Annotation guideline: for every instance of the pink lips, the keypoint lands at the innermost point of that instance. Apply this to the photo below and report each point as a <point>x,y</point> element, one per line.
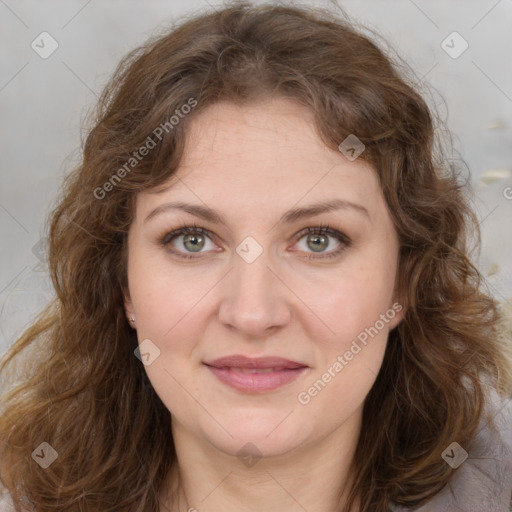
<point>255,375</point>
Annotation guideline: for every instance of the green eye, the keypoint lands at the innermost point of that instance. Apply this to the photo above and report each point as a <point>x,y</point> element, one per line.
<point>318,239</point>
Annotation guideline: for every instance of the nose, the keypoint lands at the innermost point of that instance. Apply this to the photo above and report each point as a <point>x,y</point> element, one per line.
<point>255,301</point>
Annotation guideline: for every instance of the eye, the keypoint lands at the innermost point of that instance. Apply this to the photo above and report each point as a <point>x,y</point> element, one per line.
<point>190,240</point>
<point>318,240</point>
<point>193,239</point>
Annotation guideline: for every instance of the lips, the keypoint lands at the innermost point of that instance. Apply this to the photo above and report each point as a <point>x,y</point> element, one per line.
<point>255,363</point>
<point>255,375</point>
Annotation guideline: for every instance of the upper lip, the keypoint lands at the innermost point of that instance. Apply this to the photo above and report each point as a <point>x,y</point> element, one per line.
<point>240,361</point>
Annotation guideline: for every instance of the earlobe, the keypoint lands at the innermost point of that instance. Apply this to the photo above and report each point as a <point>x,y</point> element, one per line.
<point>397,311</point>
<point>128,308</point>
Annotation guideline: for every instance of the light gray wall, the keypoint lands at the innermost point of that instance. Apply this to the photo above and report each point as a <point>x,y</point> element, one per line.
<point>42,101</point>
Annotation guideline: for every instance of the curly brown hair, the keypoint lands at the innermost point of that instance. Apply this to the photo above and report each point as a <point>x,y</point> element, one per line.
<point>85,393</point>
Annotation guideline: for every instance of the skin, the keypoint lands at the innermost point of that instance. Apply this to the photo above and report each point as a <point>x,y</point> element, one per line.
<point>253,163</point>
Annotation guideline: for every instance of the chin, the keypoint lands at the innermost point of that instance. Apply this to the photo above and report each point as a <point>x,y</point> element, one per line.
<point>269,436</point>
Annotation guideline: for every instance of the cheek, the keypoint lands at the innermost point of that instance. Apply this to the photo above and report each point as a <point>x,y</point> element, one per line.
<point>349,360</point>
<point>353,298</point>
<point>162,292</point>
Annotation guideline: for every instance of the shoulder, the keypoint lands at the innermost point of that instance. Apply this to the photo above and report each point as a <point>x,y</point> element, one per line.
<point>483,482</point>
<point>6,504</point>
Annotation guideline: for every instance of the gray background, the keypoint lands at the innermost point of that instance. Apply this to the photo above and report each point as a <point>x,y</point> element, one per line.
<point>43,101</point>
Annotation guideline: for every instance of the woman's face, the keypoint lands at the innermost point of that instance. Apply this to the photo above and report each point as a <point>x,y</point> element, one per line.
<point>253,283</point>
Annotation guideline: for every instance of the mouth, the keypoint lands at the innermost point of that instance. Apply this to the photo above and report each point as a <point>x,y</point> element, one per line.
<point>255,375</point>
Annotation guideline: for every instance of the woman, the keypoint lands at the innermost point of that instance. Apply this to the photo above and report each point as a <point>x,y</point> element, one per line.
<point>264,297</point>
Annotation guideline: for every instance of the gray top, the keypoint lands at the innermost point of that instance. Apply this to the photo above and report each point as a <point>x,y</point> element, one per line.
<point>481,483</point>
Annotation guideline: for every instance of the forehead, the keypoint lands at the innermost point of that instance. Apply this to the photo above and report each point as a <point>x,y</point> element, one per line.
<point>275,132</point>
<point>267,150</point>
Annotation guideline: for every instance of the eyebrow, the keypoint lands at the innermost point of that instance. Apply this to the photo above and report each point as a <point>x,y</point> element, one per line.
<point>290,216</point>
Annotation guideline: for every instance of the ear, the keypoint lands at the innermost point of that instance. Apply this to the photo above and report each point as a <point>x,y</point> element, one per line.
<point>398,306</point>
<point>401,299</point>
<point>399,310</point>
<point>128,305</point>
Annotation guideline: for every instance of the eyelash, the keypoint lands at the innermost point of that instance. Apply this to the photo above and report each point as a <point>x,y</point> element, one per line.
<point>323,229</point>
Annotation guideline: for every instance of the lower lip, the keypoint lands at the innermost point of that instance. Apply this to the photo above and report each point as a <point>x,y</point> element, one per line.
<point>256,382</point>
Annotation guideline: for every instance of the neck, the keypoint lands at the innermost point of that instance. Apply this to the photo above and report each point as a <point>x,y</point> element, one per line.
<point>314,477</point>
